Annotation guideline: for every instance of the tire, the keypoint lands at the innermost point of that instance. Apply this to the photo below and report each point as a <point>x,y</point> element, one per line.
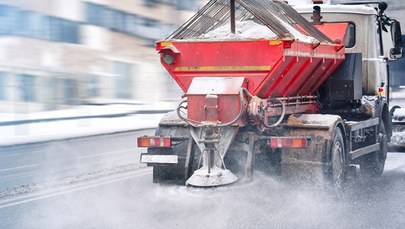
<point>174,174</point>
<point>372,165</point>
<point>336,174</point>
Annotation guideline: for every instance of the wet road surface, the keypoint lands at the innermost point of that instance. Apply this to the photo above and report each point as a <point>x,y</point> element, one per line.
<point>126,198</point>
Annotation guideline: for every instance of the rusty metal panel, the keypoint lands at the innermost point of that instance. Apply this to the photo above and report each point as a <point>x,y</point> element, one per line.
<point>317,150</point>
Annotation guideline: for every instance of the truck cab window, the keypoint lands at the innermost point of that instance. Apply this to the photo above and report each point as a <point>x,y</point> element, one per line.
<point>350,37</point>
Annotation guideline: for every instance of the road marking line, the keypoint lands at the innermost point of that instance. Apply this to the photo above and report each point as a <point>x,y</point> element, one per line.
<point>103,154</point>
<point>19,167</point>
<point>79,187</point>
<point>11,155</point>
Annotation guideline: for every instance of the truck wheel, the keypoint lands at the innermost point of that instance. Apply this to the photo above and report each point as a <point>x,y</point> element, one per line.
<point>337,168</point>
<point>372,165</point>
<point>174,174</point>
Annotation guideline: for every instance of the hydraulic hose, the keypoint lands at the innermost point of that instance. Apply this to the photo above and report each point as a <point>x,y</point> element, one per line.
<point>241,111</point>
<point>281,116</point>
<point>186,120</point>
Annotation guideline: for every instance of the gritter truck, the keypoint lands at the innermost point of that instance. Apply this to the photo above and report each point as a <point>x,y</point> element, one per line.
<point>278,88</point>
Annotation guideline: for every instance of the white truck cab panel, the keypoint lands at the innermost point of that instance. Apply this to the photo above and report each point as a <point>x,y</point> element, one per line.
<point>367,43</point>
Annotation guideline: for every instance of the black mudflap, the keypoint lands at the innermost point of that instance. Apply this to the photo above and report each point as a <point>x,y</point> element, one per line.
<point>179,173</point>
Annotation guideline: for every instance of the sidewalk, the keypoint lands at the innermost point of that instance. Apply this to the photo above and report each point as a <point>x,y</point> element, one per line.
<point>82,121</point>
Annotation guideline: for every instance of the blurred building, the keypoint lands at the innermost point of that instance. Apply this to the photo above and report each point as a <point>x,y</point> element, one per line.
<point>58,53</point>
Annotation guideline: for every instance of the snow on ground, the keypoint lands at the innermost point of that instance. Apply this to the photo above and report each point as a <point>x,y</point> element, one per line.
<point>45,131</point>
<point>398,135</point>
<point>399,115</point>
<point>63,129</point>
<point>88,111</point>
<point>398,138</point>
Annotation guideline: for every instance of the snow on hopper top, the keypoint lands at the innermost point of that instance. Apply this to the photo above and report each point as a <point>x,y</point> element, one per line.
<point>244,30</point>
<point>255,19</point>
<point>251,30</point>
<point>305,2</point>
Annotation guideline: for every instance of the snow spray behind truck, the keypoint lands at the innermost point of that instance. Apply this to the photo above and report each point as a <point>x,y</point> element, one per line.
<point>272,86</point>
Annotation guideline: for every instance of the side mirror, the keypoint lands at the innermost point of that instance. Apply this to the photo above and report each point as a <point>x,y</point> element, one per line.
<point>395,53</point>
<point>396,36</point>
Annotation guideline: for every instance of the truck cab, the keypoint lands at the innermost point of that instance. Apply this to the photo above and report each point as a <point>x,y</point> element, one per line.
<point>362,37</point>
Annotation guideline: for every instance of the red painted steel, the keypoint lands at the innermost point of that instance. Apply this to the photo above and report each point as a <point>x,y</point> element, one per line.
<point>227,101</point>
<point>228,108</point>
<point>335,31</point>
<point>211,108</point>
<point>250,59</point>
<point>271,68</point>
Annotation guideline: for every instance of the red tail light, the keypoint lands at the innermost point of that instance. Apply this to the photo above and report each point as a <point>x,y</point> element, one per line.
<point>288,142</point>
<point>154,141</point>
